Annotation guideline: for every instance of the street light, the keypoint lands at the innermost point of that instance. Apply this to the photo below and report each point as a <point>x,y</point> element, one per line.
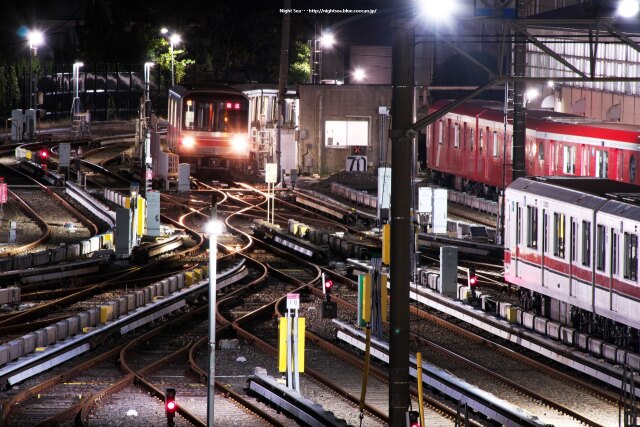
<point>628,8</point>
<point>147,79</point>
<point>357,75</point>
<point>174,39</point>
<point>75,106</point>
<point>35,39</point>
<point>214,228</point>
<point>326,40</point>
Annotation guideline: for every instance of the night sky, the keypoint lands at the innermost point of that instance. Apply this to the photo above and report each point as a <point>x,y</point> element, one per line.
<point>119,30</point>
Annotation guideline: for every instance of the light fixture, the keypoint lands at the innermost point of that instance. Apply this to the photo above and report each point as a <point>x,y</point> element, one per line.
<point>628,8</point>
<point>327,40</point>
<point>437,10</point>
<point>359,74</point>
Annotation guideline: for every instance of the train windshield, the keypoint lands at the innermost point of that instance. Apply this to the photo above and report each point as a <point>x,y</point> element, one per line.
<point>216,113</point>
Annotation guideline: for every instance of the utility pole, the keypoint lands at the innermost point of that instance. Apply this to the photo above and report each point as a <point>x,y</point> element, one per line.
<point>403,116</point>
<point>282,83</point>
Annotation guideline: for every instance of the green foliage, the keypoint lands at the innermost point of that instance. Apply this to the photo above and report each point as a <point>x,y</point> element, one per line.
<point>299,63</point>
<point>9,90</point>
<point>160,53</point>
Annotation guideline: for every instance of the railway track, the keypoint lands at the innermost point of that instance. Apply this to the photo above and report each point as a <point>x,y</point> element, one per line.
<point>247,316</point>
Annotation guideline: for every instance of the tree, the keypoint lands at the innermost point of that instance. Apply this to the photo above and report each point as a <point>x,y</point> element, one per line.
<point>160,53</point>
<point>299,68</point>
<point>9,90</point>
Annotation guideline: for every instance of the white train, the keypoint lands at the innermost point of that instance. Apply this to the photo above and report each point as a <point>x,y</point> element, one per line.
<point>572,243</point>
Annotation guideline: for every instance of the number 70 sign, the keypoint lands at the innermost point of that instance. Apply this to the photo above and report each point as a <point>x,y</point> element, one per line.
<point>356,164</point>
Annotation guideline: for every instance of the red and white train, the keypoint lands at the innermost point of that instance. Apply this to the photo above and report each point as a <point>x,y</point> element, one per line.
<point>208,127</point>
<point>465,148</point>
<point>573,244</point>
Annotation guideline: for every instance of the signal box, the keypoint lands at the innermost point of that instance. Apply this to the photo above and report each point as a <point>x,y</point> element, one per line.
<point>329,310</point>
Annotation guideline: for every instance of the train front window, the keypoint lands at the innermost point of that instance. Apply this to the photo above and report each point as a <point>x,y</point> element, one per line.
<point>188,114</point>
<point>207,114</point>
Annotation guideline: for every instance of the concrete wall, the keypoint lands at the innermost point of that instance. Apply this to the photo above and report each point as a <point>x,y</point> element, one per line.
<point>595,104</point>
<point>319,103</point>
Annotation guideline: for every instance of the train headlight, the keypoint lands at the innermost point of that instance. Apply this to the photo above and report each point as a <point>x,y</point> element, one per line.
<point>239,142</point>
<point>188,142</point>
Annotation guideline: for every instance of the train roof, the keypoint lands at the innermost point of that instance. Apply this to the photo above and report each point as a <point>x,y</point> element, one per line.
<point>614,197</point>
<point>548,121</point>
<point>201,86</point>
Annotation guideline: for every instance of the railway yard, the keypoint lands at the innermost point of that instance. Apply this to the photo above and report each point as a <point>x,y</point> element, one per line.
<point>92,339</point>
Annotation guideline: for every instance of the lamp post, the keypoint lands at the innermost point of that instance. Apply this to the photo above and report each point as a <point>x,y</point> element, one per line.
<point>76,87</point>
<point>147,80</point>
<point>356,76</point>
<point>214,228</point>
<point>325,40</point>
<point>173,40</point>
<point>35,39</point>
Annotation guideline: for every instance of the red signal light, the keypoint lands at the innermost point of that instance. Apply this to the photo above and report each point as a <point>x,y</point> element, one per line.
<point>473,279</point>
<point>328,284</point>
<point>44,154</point>
<point>413,418</point>
<point>149,174</point>
<point>170,404</point>
<point>236,106</point>
<point>229,105</point>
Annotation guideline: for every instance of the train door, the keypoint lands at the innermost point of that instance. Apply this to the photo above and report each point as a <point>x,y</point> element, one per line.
<point>518,238</point>
<point>613,263</point>
<point>618,158</point>
<point>551,162</point>
<point>545,245</point>
<point>573,255</point>
<point>480,155</point>
<point>439,141</point>
<point>471,159</point>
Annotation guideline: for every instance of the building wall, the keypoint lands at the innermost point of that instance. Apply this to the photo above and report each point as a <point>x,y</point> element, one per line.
<point>319,103</point>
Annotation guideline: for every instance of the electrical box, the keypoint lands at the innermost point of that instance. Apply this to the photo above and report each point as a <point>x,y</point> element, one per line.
<point>447,285</point>
<point>17,125</point>
<point>329,310</point>
<point>123,233</point>
<point>153,213</point>
<point>184,171</point>
<point>30,120</point>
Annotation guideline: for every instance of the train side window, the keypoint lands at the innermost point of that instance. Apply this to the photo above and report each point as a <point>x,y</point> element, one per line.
<point>569,160</point>
<point>456,135</point>
<point>632,169</point>
<point>518,224</point>
<point>601,242</point>
<point>558,235</point>
<point>541,151</point>
<point>573,237</point>
<point>586,243</point>
<point>480,140</point>
<point>631,256</point>
<point>614,251</point>
<point>472,135</point>
<point>602,164</point>
<point>545,232</point>
<point>441,132</point>
<point>620,164</point>
<point>532,227</point>
<point>495,144</point>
